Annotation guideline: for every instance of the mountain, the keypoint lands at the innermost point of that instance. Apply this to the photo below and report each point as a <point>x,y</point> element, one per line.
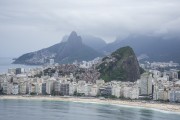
<point>94,42</point>
<point>64,52</point>
<point>153,48</point>
<point>121,65</point>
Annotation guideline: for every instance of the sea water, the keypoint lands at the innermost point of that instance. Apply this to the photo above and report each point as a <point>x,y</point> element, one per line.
<point>6,63</point>
<point>58,110</point>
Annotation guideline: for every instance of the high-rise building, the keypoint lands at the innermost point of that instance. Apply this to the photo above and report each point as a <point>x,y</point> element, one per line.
<point>64,89</point>
<point>43,88</point>
<point>146,84</point>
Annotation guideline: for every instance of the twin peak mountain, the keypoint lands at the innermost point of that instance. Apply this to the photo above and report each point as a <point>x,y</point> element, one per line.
<point>64,52</point>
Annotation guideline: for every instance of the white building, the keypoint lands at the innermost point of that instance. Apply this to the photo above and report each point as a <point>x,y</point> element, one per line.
<point>57,85</point>
<point>100,83</point>
<point>7,88</point>
<point>116,90</point>
<point>94,90</point>
<point>12,71</point>
<point>81,87</point>
<point>72,88</point>
<point>87,87</point>
<point>23,88</point>
<point>146,84</point>
<point>174,95</point>
<point>49,86</point>
<point>15,89</point>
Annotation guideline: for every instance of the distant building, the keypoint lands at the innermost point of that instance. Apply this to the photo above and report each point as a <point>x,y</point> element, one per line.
<point>87,89</point>
<point>15,89</point>
<point>18,71</point>
<point>81,87</point>
<point>49,86</point>
<point>174,96</point>
<point>116,90</point>
<point>105,91</point>
<point>94,90</point>
<point>12,71</point>
<point>7,88</point>
<point>32,88</point>
<point>146,84</point>
<point>44,89</point>
<point>72,88</point>
<point>23,88</point>
<point>64,89</point>
<point>57,86</point>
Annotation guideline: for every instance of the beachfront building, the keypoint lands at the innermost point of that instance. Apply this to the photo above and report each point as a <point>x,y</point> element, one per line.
<point>57,85</point>
<point>134,92</point>
<point>174,95</point>
<point>126,92</point>
<point>43,88</point>
<point>116,90</point>
<point>32,88</point>
<point>81,87</point>
<point>145,84</point>
<point>105,90</point>
<point>88,87</point>
<point>38,87</point>
<point>161,93</point>
<point>64,89</point>
<point>161,89</point>
<point>7,88</point>
<point>94,90</point>
<point>49,86</point>
<point>23,88</point>
<point>15,89</point>
<point>72,88</point>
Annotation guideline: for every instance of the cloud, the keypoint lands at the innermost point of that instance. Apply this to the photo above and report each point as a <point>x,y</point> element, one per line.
<point>41,23</point>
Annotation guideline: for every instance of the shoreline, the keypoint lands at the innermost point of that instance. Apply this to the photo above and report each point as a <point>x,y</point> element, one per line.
<point>164,107</point>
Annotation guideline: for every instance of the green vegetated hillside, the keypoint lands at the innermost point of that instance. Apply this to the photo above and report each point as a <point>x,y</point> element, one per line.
<point>121,65</point>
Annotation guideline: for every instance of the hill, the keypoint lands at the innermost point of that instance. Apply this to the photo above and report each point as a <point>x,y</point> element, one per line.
<point>121,65</point>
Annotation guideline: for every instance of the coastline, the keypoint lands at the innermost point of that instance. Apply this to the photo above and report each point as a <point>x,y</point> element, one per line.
<point>166,107</point>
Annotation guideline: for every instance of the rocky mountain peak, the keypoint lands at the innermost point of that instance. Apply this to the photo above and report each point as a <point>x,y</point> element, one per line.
<point>74,38</point>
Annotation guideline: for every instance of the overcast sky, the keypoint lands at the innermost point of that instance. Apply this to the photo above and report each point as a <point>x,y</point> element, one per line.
<point>29,25</point>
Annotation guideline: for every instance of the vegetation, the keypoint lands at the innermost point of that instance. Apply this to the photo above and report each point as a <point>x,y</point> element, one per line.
<point>33,93</point>
<point>141,70</point>
<point>78,94</point>
<point>1,91</point>
<point>118,66</point>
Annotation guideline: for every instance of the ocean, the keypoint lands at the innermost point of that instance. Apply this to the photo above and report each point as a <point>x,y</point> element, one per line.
<point>6,63</point>
<point>57,110</point>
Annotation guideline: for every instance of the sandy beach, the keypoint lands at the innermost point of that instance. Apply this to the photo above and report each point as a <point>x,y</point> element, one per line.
<point>172,107</point>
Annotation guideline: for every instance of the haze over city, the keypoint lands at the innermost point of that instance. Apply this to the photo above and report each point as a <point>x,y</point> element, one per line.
<point>31,25</point>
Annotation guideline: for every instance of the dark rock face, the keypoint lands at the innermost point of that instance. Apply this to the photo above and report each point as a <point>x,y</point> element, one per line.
<point>64,52</point>
<point>94,42</point>
<point>121,65</point>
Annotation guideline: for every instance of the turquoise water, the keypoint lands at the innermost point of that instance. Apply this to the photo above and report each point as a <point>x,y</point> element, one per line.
<point>57,110</point>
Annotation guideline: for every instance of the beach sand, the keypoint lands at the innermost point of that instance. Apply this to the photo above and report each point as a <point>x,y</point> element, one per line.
<point>173,107</point>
